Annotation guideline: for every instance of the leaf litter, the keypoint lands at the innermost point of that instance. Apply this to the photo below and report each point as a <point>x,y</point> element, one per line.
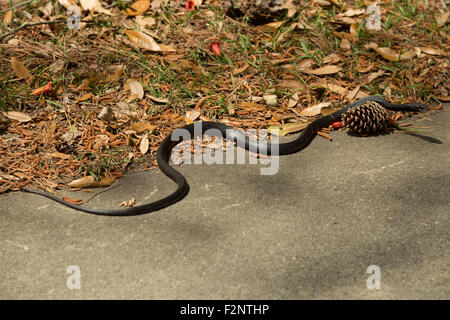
<point>82,107</point>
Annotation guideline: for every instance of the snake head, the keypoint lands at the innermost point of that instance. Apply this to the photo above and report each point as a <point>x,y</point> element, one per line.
<point>419,107</point>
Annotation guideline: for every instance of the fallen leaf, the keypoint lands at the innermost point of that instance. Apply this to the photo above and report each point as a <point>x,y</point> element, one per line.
<point>192,115</point>
<point>442,19</point>
<point>107,114</point>
<point>93,5</point>
<point>104,182</point>
<point>353,12</point>
<point>372,76</point>
<point>144,41</point>
<point>287,128</point>
<point>250,106</point>
<point>84,97</point>
<point>241,69</point>
<point>17,115</point>
<point>67,3</point>
<point>135,87</point>
<point>56,66</point>
<point>143,145</point>
<point>324,70</point>
<point>8,17</point>
<point>140,127</point>
<point>137,8</point>
<point>145,22</point>
<point>330,86</point>
<point>433,51</point>
<point>19,69</point>
<point>83,182</point>
<point>314,110</point>
<point>345,44</point>
<point>292,84</point>
<point>158,100</point>
<point>332,58</point>
<point>61,155</point>
<point>393,55</point>
<point>293,101</point>
<point>352,94</point>
<point>291,7</point>
<point>116,75</point>
<point>354,30</point>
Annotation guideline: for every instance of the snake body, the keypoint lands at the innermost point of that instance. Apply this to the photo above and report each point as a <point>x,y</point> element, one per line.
<point>227,132</point>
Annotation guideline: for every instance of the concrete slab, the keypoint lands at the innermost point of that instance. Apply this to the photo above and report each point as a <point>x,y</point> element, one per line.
<point>308,232</point>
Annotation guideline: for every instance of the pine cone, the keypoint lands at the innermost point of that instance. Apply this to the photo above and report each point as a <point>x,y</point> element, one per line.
<point>369,117</point>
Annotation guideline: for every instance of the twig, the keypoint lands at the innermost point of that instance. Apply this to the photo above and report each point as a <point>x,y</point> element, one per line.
<point>29,24</point>
<point>320,133</point>
<point>15,6</point>
<point>101,191</point>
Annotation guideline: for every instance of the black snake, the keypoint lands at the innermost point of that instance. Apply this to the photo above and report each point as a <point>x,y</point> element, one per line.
<point>164,152</point>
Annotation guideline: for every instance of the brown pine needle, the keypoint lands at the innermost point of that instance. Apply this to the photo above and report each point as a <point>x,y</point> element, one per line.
<point>320,133</point>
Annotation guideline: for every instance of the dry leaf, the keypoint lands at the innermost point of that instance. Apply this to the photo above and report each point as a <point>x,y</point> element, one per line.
<point>332,58</point>
<point>433,51</point>
<point>107,114</point>
<point>192,115</point>
<point>250,106</point>
<point>330,86</point>
<point>274,25</point>
<point>293,101</point>
<point>345,44</point>
<point>61,155</point>
<point>84,97</point>
<point>287,128</point>
<point>19,69</point>
<point>352,94</point>
<point>323,70</point>
<point>142,40</point>
<point>241,69</point>
<point>140,127</point>
<point>93,5</point>
<point>353,12</point>
<point>17,115</point>
<point>8,17</point>
<point>116,76</point>
<point>137,8</point>
<point>354,31</point>
<point>442,19</point>
<point>158,100</point>
<point>291,7</point>
<point>145,22</point>
<point>314,110</point>
<point>104,182</point>
<point>135,87</point>
<point>67,3</point>
<point>84,182</point>
<point>143,146</point>
<point>374,75</point>
<point>393,55</point>
<point>292,84</point>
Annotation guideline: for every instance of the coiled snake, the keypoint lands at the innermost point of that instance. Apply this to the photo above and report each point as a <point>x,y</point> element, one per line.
<point>164,152</point>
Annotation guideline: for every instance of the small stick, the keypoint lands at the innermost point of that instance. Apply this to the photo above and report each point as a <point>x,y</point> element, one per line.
<point>320,133</point>
<point>15,6</point>
<point>29,24</point>
<point>96,194</point>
